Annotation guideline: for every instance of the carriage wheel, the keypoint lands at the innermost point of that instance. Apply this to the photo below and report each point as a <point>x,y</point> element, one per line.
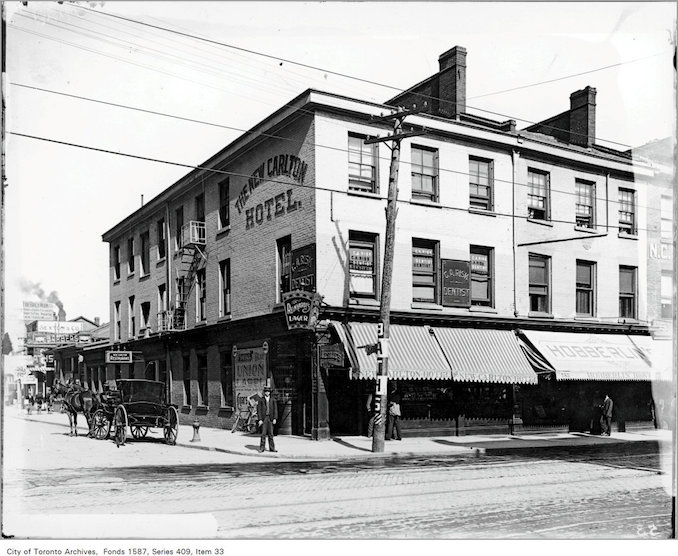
<point>171,427</point>
<point>101,426</point>
<point>120,425</point>
<point>139,431</point>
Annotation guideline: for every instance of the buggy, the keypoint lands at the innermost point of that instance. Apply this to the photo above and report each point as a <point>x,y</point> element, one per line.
<point>140,405</point>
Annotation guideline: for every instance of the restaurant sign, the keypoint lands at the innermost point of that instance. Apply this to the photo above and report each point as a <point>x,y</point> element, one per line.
<point>456,283</point>
<point>301,309</point>
<point>303,268</point>
<point>119,357</point>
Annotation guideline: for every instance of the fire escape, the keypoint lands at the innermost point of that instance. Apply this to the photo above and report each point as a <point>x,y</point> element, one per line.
<point>191,256</point>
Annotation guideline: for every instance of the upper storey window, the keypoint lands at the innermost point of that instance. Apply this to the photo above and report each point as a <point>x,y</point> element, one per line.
<point>627,211</point>
<point>481,178</point>
<point>585,204</point>
<point>538,184</point>
<point>424,173</point>
<point>362,168</point>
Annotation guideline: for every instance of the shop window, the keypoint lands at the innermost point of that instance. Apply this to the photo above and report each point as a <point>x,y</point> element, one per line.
<point>116,262</point>
<point>178,225</point>
<point>225,288</point>
<point>481,178</point>
<point>585,294</point>
<point>200,295</point>
<point>538,193</point>
<point>627,211</point>
<point>539,275</point>
<point>284,264</point>
<point>425,271</point>
<point>362,169</point>
<point>203,399</point>
<point>482,287</point>
<point>224,204</point>
<point>362,263</point>
<point>187,380</point>
<point>130,255</point>
<point>585,208</point>
<point>118,372</point>
<point>226,379</point>
<point>424,173</point>
<point>627,292</point>
<point>150,370</point>
<point>160,228</point>
<point>131,324</point>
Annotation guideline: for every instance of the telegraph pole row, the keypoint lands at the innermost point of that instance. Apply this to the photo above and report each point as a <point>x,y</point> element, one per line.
<point>381,395</point>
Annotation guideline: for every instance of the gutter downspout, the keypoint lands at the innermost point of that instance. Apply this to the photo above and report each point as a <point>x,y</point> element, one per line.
<point>514,157</point>
<point>168,294</point>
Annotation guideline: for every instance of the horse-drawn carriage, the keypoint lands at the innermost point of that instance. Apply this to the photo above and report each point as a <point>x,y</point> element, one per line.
<point>138,404</point>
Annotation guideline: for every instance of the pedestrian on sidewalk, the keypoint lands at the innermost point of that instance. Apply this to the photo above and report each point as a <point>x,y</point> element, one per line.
<point>267,411</point>
<point>394,417</point>
<point>606,419</point>
<point>371,416</point>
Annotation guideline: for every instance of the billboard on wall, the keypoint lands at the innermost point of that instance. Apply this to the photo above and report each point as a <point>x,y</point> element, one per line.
<point>39,310</point>
<point>250,369</point>
<point>456,283</point>
<point>59,327</point>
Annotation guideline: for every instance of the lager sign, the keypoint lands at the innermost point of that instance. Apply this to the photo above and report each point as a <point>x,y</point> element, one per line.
<point>118,357</point>
<point>301,309</point>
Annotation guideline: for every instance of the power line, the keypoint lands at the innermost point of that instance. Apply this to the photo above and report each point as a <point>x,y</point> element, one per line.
<point>237,174</point>
<point>281,137</point>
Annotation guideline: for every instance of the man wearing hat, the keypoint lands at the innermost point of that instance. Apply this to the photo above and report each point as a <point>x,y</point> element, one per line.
<point>267,412</point>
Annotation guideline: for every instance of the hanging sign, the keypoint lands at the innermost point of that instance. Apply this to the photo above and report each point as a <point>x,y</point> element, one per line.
<point>301,309</point>
<point>331,355</point>
<point>456,282</point>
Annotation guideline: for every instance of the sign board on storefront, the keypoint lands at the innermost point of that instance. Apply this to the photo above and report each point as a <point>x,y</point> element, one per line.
<point>303,268</point>
<point>301,309</point>
<point>119,357</point>
<point>250,369</point>
<point>58,327</point>
<point>456,283</point>
<point>332,355</point>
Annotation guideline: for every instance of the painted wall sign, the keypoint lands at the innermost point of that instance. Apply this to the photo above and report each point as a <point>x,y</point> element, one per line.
<point>303,268</point>
<point>250,369</point>
<point>301,309</point>
<point>456,283</point>
<point>662,251</point>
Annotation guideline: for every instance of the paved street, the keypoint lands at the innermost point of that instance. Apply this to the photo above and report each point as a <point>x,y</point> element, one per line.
<point>592,494</point>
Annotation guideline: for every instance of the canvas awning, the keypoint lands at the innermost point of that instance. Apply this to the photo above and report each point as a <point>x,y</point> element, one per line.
<point>576,356</point>
<point>659,353</point>
<point>485,355</point>
<point>413,353</point>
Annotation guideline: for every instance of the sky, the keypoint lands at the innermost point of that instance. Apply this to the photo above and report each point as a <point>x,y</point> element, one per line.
<point>524,60</point>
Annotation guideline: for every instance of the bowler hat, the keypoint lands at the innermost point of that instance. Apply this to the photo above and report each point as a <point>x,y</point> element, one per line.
<point>267,388</point>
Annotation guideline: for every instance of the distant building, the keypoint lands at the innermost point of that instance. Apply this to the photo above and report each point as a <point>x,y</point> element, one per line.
<point>520,281</point>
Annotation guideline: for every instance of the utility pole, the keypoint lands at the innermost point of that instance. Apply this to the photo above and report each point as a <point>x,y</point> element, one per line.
<point>381,394</point>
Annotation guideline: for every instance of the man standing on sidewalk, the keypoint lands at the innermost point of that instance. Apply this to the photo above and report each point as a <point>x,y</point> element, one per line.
<point>267,412</point>
<point>606,419</point>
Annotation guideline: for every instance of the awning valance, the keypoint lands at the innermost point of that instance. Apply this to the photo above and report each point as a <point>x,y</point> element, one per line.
<point>485,355</point>
<point>576,356</point>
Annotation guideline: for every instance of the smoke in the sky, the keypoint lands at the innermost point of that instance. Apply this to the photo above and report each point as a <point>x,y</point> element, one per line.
<point>34,288</point>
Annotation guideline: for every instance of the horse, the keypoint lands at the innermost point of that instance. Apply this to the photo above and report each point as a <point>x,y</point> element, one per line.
<point>77,400</point>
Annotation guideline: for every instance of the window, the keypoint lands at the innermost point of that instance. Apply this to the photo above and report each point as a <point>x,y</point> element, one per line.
<point>362,170</point>
<point>224,204</point>
<point>131,325</point>
<point>163,323</point>
<point>130,255</point>
<point>145,323</point>
<point>424,271</point>
<point>424,173</point>
<point>481,179</point>
<point>161,239</point>
<point>666,218</point>
<point>200,208</point>
<point>145,253</point>
<point>667,295</point>
<point>627,292</point>
<point>116,262</point>
<point>187,380</point>
<point>284,246</point>
<point>362,264</point>
<point>627,211</point>
<point>226,379</point>
<point>200,295</point>
<point>539,284</point>
<point>179,224</point>
<point>116,312</point>
<point>225,288</point>
<point>538,192</point>
<point>202,380</point>
<point>585,204</point>
<point>481,276</point>
<point>585,295</point>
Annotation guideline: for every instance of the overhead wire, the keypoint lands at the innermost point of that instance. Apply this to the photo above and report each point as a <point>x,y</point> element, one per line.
<point>209,169</point>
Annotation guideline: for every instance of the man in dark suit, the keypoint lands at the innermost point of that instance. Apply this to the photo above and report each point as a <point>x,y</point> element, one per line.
<point>606,419</point>
<point>267,413</point>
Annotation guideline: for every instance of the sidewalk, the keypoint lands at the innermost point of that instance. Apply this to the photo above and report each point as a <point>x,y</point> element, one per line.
<point>351,447</point>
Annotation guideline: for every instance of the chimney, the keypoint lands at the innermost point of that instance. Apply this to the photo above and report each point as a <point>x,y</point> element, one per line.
<point>583,117</point>
<point>96,321</point>
<point>452,82</point>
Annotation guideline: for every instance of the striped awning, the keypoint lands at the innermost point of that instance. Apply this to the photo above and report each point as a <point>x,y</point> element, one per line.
<point>413,352</point>
<point>485,355</point>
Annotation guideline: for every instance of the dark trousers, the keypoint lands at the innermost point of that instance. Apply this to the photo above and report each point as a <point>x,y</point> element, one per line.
<point>267,432</point>
<point>393,423</point>
<point>606,424</point>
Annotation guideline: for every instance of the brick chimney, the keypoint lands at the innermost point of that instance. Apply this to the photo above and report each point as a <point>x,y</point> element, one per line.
<point>96,321</point>
<point>583,117</point>
<point>452,82</point>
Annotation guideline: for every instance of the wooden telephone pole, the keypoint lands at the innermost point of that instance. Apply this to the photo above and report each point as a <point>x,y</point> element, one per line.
<point>381,394</point>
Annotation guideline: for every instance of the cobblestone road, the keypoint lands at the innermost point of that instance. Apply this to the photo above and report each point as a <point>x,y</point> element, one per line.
<point>504,497</point>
